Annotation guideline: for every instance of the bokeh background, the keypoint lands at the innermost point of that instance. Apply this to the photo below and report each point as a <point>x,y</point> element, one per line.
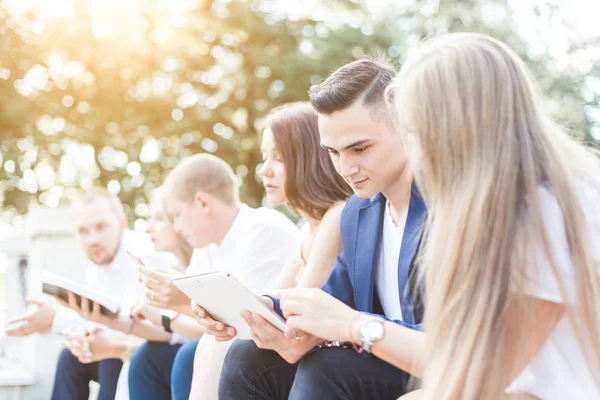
<point>116,93</point>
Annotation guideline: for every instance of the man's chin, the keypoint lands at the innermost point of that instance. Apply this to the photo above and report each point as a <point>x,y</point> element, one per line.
<point>364,192</point>
<point>101,260</point>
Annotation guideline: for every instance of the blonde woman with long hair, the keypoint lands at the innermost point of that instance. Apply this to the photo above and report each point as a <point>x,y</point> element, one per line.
<point>508,258</point>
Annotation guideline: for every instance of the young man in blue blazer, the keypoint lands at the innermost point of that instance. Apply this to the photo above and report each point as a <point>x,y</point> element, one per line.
<point>381,228</point>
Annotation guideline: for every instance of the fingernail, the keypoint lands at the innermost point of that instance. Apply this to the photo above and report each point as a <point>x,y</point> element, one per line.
<point>220,327</point>
<point>255,317</point>
<point>230,331</point>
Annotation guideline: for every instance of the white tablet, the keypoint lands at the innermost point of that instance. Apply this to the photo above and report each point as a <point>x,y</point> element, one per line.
<point>224,297</point>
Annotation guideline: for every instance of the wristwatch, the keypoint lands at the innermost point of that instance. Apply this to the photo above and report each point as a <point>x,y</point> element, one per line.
<point>371,331</point>
<point>167,316</point>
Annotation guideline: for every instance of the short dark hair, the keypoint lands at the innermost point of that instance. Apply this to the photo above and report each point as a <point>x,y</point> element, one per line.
<point>312,184</point>
<point>364,79</point>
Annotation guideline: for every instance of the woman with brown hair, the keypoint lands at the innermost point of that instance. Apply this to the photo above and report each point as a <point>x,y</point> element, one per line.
<point>296,172</point>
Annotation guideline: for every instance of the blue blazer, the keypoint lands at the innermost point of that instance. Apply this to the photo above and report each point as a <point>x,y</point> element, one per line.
<point>352,279</point>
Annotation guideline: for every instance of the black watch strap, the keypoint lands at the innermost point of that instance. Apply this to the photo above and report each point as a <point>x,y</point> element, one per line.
<point>166,323</point>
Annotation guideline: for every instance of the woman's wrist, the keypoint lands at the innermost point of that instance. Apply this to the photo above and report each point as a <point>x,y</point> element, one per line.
<point>119,324</point>
<point>118,348</point>
<point>354,335</point>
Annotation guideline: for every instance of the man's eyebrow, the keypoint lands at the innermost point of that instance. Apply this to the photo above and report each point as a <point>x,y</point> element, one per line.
<point>351,145</point>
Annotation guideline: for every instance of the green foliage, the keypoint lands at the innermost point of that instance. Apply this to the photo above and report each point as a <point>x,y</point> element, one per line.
<point>119,102</point>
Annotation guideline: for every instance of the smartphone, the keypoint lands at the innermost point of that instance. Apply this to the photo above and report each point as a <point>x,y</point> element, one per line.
<point>135,258</point>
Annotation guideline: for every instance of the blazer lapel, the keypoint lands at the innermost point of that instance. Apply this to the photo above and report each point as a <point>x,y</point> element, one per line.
<point>410,242</point>
<point>368,236</point>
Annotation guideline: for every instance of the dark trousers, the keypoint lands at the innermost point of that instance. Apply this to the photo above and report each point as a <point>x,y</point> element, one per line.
<point>73,378</point>
<point>329,373</point>
<point>161,371</point>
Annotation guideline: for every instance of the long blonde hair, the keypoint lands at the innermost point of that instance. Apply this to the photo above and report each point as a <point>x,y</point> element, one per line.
<point>485,149</point>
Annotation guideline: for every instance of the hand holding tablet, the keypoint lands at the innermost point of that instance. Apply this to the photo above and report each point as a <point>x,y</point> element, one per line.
<point>223,298</point>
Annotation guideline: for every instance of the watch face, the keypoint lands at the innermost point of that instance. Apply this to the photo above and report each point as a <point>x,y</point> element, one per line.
<point>372,330</point>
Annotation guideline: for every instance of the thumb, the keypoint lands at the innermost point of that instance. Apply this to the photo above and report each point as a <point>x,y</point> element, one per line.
<point>277,293</point>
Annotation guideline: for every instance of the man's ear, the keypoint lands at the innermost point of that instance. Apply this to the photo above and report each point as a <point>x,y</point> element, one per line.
<point>204,201</point>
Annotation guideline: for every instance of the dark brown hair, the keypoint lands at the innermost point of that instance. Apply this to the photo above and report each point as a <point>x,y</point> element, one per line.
<point>364,79</point>
<point>312,184</point>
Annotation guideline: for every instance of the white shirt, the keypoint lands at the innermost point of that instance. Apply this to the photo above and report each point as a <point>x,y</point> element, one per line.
<point>119,280</point>
<point>559,369</point>
<point>386,279</point>
<point>254,249</point>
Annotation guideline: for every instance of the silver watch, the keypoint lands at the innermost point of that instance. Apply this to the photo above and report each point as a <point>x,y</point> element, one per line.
<point>371,331</point>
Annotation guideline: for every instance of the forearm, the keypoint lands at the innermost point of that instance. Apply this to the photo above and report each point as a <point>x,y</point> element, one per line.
<point>314,277</point>
<point>401,347</point>
<point>146,331</point>
<point>287,277</point>
<point>120,345</point>
<point>185,309</point>
<point>187,327</point>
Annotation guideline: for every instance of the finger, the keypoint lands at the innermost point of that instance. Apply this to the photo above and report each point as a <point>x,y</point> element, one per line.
<point>291,307</point>
<point>16,320</point>
<point>280,293</point>
<point>257,340</point>
<point>96,310</point>
<point>95,329</point>
<point>215,328</point>
<point>18,330</point>
<point>154,285</point>
<point>201,312</point>
<point>153,274</point>
<point>34,302</point>
<point>296,326</point>
<point>73,302</point>
<point>85,306</point>
<point>197,309</point>
<point>248,318</point>
<point>155,297</point>
<point>266,331</point>
<point>62,302</point>
<point>67,345</point>
<point>138,317</point>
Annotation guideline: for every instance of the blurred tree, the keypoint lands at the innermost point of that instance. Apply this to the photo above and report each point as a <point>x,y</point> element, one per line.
<point>117,94</point>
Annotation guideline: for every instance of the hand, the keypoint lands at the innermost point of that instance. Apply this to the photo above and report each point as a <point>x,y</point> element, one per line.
<point>266,336</point>
<point>318,313</point>
<point>159,288</point>
<point>219,330</point>
<point>78,346</point>
<point>142,311</point>
<point>89,310</point>
<point>92,345</point>
<point>36,320</point>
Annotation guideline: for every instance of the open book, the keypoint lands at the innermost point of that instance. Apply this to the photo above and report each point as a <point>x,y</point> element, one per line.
<point>56,285</point>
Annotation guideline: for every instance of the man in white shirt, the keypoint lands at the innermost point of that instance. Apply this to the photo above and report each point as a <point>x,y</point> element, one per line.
<point>101,229</point>
<point>202,197</point>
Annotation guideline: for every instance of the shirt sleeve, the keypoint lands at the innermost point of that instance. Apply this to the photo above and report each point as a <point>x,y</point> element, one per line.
<point>263,253</point>
<point>66,320</point>
<point>540,279</point>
